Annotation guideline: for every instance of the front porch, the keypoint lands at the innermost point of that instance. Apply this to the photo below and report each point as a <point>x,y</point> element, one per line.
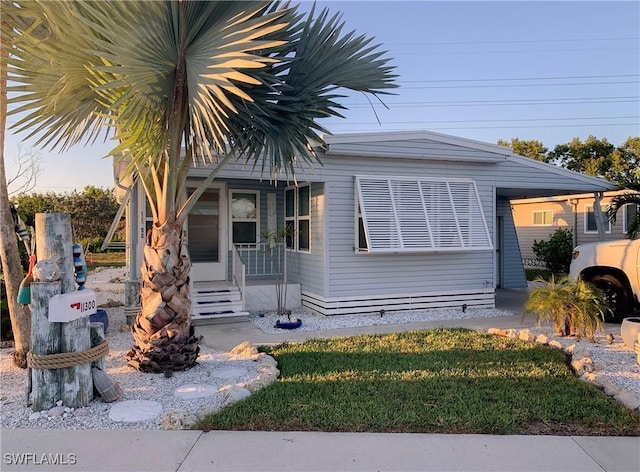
<point>251,285</point>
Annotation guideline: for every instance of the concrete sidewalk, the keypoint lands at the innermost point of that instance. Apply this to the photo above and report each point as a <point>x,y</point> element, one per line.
<point>127,450</point>
<point>191,451</point>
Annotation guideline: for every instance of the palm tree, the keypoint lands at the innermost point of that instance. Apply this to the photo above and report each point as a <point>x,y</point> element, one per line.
<point>632,197</point>
<point>180,84</point>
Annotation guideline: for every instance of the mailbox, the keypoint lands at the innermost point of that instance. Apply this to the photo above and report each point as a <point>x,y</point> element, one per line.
<point>71,306</point>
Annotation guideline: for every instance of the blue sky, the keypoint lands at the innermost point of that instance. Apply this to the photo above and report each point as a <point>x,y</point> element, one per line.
<point>549,71</point>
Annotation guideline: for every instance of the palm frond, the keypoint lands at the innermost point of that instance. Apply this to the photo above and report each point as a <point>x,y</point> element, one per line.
<point>618,203</point>
<point>248,79</point>
<point>279,129</point>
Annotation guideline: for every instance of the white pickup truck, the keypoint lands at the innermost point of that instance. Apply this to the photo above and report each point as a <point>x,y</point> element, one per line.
<point>613,267</point>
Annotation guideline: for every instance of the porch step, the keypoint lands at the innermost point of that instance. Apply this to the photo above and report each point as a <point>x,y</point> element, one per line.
<point>216,303</point>
<point>237,317</point>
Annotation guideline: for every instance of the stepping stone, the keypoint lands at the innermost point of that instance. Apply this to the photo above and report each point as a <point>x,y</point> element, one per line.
<point>229,372</point>
<point>193,391</point>
<point>130,411</point>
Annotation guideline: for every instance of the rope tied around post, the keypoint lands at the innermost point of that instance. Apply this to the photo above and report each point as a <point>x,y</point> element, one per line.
<point>67,359</point>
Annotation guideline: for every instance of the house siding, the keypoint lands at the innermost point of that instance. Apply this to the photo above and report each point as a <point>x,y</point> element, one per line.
<point>566,215</point>
<point>352,273</point>
<point>513,275</point>
<point>308,268</point>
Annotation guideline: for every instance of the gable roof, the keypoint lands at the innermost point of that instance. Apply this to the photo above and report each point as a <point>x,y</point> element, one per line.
<point>587,179</point>
<point>431,146</point>
<point>414,145</point>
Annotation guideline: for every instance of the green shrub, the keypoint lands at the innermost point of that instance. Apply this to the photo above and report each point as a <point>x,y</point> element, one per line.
<point>574,307</point>
<point>92,244</point>
<point>556,252</point>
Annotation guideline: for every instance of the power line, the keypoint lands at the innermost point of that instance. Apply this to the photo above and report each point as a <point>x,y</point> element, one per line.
<point>392,128</point>
<point>522,102</point>
<point>566,77</point>
<point>512,51</point>
<point>517,85</point>
<point>507,120</point>
<point>511,41</point>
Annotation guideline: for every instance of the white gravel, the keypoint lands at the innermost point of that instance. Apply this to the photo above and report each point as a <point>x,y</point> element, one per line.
<point>135,385</point>
<point>312,322</point>
<point>615,361</point>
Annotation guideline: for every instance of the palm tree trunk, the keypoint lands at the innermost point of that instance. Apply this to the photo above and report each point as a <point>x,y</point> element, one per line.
<point>162,333</point>
<point>11,267</point>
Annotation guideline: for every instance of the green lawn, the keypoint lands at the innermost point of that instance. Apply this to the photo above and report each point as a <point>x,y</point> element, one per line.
<point>436,381</point>
<point>106,259</point>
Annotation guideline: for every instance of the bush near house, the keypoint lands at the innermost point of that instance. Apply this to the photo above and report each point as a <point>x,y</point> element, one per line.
<point>556,252</point>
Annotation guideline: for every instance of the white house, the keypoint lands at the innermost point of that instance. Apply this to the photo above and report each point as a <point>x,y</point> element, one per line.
<point>389,221</point>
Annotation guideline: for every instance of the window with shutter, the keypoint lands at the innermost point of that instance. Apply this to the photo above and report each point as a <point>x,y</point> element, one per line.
<point>404,214</point>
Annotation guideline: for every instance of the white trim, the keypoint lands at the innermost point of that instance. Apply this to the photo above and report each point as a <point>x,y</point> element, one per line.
<point>256,219</point>
<point>589,208</point>
<point>116,219</point>
<point>296,218</point>
<point>543,212</point>
<point>215,271</point>
<point>566,197</point>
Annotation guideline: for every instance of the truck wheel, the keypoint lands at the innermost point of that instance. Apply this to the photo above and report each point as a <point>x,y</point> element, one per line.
<point>616,294</point>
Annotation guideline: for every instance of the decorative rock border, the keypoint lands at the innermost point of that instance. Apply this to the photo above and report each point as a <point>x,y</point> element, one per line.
<point>581,363</point>
<point>267,373</point>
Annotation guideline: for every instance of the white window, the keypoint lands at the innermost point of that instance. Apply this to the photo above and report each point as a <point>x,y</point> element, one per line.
<point>245,216</point>
<point>630,212</point>
<point>590,220</point>
<point>405,214</point>
<point>298,217</point>
<point>543,218</point>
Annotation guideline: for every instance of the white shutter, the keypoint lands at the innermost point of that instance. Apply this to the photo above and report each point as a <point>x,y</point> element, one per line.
<point>415,215</point>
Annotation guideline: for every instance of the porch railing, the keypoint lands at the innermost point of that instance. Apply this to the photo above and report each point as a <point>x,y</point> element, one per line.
<point>261,259</point>
<point>238,273</point>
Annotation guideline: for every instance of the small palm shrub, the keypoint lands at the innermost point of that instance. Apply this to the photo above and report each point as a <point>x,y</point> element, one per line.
<point>575,307</point>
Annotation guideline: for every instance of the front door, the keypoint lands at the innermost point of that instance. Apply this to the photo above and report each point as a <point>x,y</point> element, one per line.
<point>206,235</point>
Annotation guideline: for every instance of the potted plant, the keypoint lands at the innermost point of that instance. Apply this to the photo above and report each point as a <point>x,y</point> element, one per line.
<point>281,279</point>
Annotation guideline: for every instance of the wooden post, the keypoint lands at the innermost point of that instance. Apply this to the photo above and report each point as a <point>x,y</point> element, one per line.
<point>76,382</point>
<point>45,339</point>
<point>54,239</point>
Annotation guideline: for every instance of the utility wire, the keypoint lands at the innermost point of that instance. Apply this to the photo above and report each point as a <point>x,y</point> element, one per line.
<point>519,85</point>
<point>502,79</point>
<point>506,120</point>
<point>522,102</point>
<point>391,128</point>
<point>511,41</point>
